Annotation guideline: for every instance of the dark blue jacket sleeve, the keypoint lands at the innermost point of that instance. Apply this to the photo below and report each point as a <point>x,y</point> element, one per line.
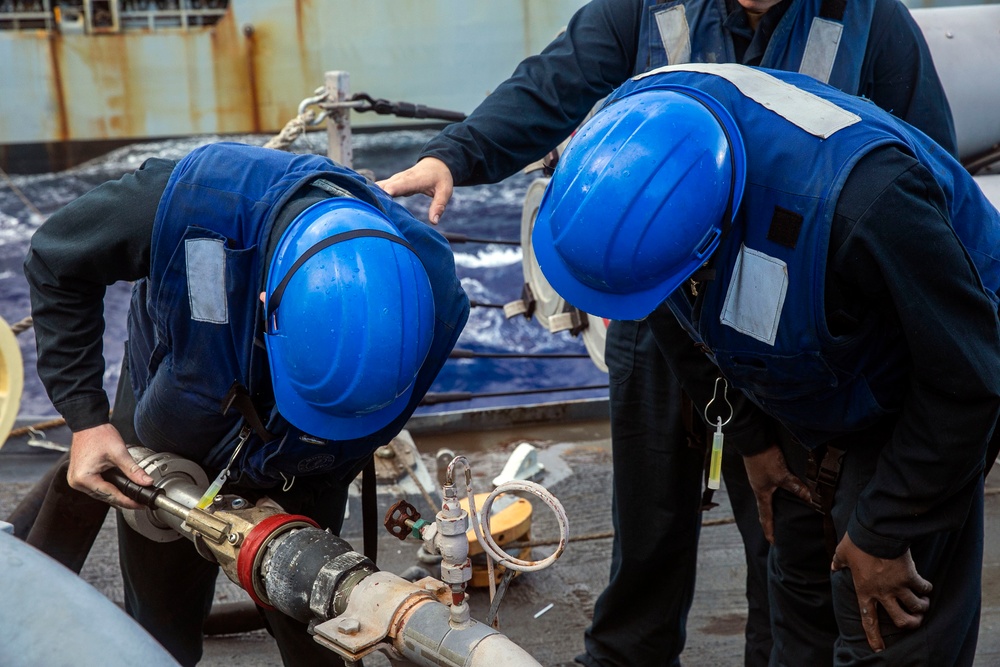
<point>898,74</point>
<point>546,98</point>
<point>95,241</point>
<point>550,94</point>
<point>891,225</point>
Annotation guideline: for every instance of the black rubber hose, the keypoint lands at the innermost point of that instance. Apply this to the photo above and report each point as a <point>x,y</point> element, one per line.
<point>24,515</point>
<point>144,495</point>
<point>232,618</point>
<point>67,522</point>
<point>459,353</point>
<point>433,398</point>
<point>309,563</point>
<point>455,237</point>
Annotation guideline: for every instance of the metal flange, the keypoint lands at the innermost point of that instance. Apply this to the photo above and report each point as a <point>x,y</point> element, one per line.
<point>182,480</point>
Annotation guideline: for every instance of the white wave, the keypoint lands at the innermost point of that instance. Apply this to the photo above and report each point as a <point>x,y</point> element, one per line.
<point>490,273</point>
<point>488,258</point>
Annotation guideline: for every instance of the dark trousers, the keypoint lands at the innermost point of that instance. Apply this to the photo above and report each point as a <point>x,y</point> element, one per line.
<point>816,620</point>
<point>640,617</point>
<point>169,588</point>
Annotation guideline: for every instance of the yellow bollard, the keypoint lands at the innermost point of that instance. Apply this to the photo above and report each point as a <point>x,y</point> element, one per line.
<point>11,380</point>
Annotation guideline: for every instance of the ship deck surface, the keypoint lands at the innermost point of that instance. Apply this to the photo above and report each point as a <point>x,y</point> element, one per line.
<point>577,461</point>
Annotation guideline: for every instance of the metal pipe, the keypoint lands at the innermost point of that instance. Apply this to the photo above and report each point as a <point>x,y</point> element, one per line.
<point>429,632</point>
<point>314,576</point>
<point>412,621</point>
<point>340,147</point>
<point>172,507</point>
<point>433,398</point>
<point>177,487</point>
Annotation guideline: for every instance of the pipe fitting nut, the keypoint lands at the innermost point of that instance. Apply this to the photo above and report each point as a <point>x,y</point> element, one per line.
<point>456,574</point>
<point>457,526</point>
<point>349,626</point>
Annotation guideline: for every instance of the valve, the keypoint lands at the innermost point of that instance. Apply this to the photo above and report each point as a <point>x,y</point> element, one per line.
<point>402,520</point>
<point>286,562</point>
<point>445,537</point>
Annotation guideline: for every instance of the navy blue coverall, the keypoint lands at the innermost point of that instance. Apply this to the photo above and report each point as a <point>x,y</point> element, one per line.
<point>640,617</point>
<point>106,236</point>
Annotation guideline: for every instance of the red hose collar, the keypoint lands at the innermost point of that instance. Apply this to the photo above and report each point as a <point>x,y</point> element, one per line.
<point>261,534</point>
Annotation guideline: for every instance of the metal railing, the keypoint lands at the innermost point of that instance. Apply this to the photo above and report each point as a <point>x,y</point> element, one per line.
<point>104,16</point>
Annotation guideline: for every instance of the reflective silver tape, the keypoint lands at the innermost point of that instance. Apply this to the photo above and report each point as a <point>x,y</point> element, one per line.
<point>206,280</point>
<point>821,49</point>
<point>818,117</point>
<point>756,295</point>
<point>675,34</point>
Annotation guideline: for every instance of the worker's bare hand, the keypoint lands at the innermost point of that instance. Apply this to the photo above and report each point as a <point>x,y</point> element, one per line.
<point>430,176</point>
<point>95,450</point>
<point>768,472</point>
<point>893,583</point>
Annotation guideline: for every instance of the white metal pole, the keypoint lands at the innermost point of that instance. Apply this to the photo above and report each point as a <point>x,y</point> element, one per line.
<point>338,123</point>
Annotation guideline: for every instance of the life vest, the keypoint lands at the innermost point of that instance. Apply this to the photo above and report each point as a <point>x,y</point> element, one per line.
<point>195,323</point>
<point>763,315</point>
<point>825,39</point>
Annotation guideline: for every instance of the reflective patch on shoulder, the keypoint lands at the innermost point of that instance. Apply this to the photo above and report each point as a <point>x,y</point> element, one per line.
<point>821,49</point>
<point>820,118</point>
<point>675,34</point>
<point>206,280</point>
<point>756,295</point>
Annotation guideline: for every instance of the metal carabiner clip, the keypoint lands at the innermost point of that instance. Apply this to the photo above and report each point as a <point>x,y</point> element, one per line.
<point>715,393</point>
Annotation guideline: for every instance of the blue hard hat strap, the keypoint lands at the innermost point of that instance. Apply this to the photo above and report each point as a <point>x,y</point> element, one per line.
<point>275,297</point>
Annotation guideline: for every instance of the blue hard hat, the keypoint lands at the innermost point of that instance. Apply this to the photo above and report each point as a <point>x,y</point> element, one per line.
<point>637,201</point>
<point>350,318</point>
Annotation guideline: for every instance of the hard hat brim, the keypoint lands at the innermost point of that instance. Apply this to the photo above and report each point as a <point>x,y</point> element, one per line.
<point>638,303</point>
<point>613,306</point>
<point>331,427</point>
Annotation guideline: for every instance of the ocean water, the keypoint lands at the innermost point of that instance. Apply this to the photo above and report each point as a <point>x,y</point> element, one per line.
<point>491,273</point>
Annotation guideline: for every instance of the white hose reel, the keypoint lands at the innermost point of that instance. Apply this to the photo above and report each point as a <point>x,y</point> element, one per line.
<point>540,300</point>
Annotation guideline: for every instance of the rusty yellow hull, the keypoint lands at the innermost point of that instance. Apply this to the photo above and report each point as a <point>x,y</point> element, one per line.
<point>154,74</point>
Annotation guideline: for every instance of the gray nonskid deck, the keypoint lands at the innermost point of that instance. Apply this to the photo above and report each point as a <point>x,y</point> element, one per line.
<point>579,473</point>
